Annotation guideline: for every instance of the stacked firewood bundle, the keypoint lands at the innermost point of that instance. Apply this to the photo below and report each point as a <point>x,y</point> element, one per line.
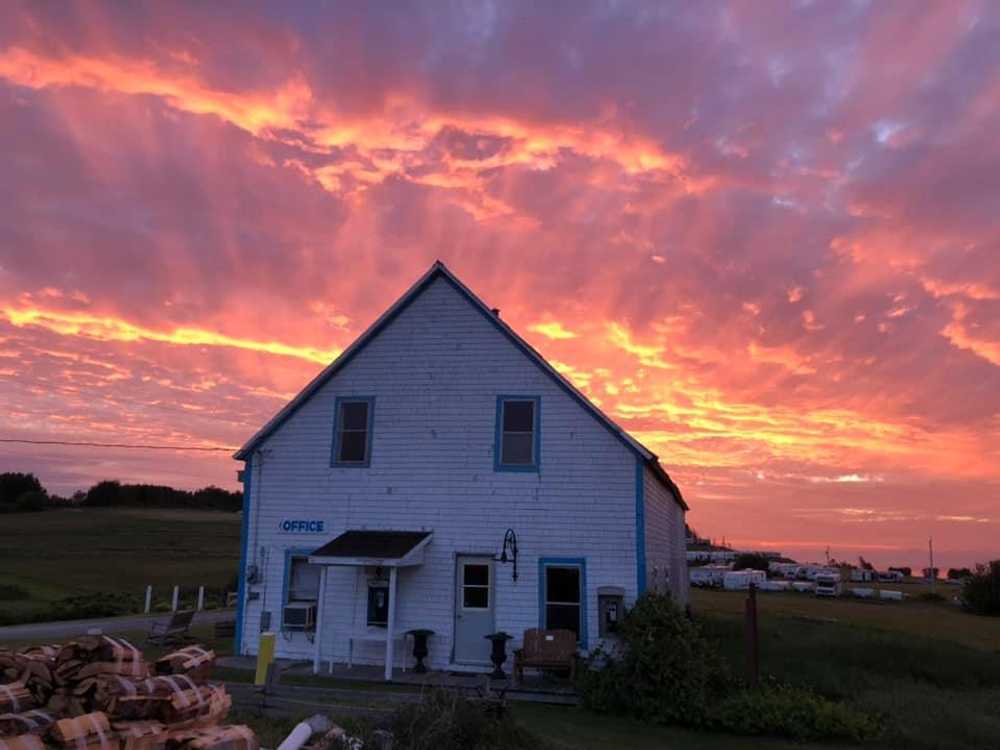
<point>32,670</point>
<point>87,732</point>
<point>97,693</point>
<point>15,696</point>
<point>35,721</point>
<point>236,737</point>
<point>193,661</point>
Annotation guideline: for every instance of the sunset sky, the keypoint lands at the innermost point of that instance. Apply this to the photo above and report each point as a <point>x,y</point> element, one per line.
<point>763,237</point>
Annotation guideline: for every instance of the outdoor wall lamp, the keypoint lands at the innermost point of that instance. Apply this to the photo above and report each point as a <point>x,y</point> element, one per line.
<point>508,553</point>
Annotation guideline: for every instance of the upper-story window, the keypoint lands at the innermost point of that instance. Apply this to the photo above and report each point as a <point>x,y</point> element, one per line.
<point>518,440</point>
<point>352,431</point>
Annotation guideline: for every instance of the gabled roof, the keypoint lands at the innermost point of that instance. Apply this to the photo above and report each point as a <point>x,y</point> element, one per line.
<point>439,270</point>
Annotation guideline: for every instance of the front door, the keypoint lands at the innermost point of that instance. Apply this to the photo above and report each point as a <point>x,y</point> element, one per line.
<point>473,609</point>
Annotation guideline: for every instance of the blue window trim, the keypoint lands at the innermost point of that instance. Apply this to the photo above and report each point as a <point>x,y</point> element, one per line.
<point>335,443</point>
<point>291,552</point>
<point>244,540</point>
<point>640,527</point>
<point>564,562</point>
<point>536,466</point>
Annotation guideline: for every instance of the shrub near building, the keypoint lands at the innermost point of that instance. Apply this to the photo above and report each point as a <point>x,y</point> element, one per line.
<point>668,672</point>
<point>981,590</point>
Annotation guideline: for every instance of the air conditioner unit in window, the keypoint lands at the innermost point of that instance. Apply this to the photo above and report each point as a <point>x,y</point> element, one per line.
<point>299,616</point>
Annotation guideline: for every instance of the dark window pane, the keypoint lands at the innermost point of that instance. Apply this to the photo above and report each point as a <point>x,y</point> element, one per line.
<point>563,617</point>
<point>354,415</point>
<point>353,446</point>
<point>475,597</point>
<point>476,575</point>
<point>303,584</point>
<point>518,416</point>
<point>378,605</point>
<point>562,584</point>
<point>517,449</point>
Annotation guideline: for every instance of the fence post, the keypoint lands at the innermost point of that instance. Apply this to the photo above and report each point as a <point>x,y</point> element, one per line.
<point>173,605</point>
<point>753,663</point>
<point>201,598</point>
<point>149,599</point>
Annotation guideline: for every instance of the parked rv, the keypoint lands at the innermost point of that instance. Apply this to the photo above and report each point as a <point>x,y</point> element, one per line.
<point>828,584</point>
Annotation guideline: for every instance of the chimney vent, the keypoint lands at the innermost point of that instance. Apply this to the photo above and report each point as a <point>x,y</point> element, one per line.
<point>495,311</point>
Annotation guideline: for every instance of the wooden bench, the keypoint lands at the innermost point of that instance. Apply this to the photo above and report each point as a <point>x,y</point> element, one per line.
<point>176,629</point>
<point>546,649</point>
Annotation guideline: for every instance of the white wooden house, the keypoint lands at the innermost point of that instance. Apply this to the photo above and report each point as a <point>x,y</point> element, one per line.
<point>379,499</point>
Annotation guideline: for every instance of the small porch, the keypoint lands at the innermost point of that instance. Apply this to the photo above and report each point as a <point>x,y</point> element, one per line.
<point>380,551</point>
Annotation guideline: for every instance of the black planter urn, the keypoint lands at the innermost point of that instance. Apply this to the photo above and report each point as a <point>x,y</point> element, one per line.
<point>420,651</point>
<point>499,654</point>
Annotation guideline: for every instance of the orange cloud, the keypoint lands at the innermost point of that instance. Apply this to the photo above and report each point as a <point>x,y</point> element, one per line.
<point>114,329</point>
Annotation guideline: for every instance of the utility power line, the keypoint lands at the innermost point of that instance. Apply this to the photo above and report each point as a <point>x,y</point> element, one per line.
<point>143,446</point>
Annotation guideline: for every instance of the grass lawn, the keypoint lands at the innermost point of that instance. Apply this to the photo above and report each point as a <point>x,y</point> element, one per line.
<point>578,729</point>
<point>62,553</point>
<point>932,670</point>
<point>911,617</point>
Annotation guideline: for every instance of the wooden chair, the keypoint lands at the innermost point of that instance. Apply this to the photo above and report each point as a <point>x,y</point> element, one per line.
<point>176,629</point>
<point>546,649</point>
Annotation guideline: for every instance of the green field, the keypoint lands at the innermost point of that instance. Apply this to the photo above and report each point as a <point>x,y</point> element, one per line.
<point>63,553</point>
<point>911,617</point>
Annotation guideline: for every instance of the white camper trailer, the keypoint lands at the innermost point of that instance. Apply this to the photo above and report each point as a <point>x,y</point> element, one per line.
<point>828,584</point>
<point>740,580</point>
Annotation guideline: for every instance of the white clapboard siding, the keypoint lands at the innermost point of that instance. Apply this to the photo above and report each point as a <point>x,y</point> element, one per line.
<point>666,546</point>
<point>435,372</point>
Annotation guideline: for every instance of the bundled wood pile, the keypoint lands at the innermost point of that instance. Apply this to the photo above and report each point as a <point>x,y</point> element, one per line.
<point>15,696</point>
<point>35,722</point>
<point>99,693</point>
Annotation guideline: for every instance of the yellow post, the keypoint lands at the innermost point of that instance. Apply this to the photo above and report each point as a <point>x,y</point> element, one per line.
<point>265,655</point>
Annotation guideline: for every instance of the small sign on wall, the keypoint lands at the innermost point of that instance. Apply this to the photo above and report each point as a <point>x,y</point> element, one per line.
<point>301,526</point>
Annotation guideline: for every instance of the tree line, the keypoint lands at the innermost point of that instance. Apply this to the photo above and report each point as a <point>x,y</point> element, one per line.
<point>20,492</point>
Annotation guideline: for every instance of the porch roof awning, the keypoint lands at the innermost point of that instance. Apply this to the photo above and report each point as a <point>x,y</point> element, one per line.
<point>391,549</point>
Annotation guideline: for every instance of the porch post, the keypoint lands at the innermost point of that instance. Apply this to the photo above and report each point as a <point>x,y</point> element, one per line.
<point>390,639</point>
<point>320,606</point>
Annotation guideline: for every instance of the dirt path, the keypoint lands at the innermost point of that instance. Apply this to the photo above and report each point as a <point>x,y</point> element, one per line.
<point>72,628</point>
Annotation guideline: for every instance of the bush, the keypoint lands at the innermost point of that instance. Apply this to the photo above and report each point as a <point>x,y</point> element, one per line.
<point>444,720</point>
<point>10,592</point>
<point>784,711</point>
<point>14,484</point>
<point>31,502</point>
<point>667,674</point>
<point>981,590</point>
<point>89,606</point>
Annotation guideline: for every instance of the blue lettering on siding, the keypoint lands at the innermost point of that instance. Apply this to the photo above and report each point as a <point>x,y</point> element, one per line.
<point>300,526</point>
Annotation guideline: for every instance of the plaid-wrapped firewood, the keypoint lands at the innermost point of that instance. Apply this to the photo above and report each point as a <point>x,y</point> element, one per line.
<point>88,732</point>
<point>199,707</point>
<point>194,661</point>
<point>167,684</point>
<point>93,655</point>
<point>22,742</point>
<point>141,735</point>
<point>15,697</point>
<point>138,707</point>
<point>233,737</point>
<point>35,721</point>
<point>125,698</point>
<point>46,652</point>
<point>64,703</point>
